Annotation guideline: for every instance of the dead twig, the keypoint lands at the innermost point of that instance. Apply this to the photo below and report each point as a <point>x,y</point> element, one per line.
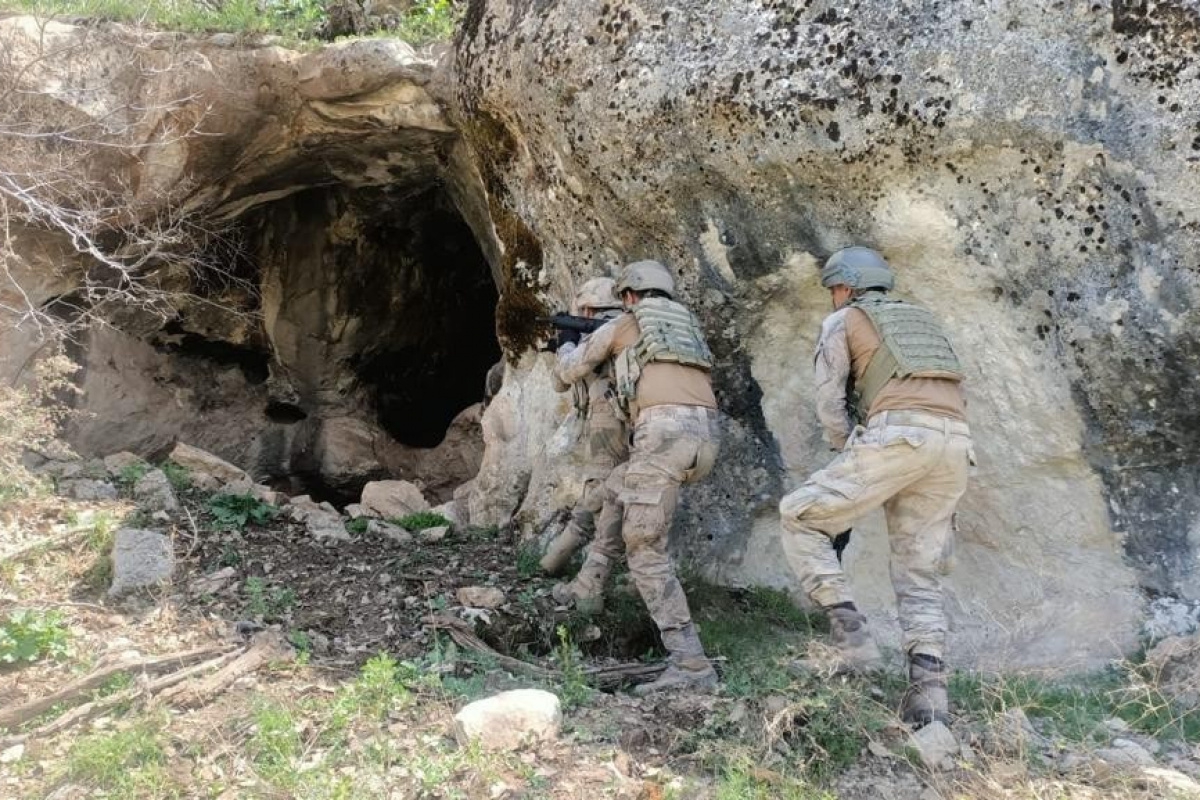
<point>18,715</point>
<point>266,647</point>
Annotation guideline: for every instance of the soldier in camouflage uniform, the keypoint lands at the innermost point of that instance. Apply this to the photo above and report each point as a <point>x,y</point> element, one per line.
<point>606,440</point>
<point>661,366</point>
<point>886,365</point>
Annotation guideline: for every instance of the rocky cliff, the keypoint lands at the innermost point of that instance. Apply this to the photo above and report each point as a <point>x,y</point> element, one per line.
<point>1029,168</point>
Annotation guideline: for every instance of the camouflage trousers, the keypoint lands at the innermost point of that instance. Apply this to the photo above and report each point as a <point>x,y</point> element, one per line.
<point>672,445</point>
<point>607,446</point>
<point>915,466</point>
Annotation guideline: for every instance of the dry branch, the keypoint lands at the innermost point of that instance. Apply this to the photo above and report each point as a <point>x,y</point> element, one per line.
<point>18,715</point>
<point>266,647</point>
<point>601,677</point>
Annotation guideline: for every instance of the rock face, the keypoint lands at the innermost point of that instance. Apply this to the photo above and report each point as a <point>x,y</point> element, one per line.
<point>1026,170</point>
<point>333,310</point>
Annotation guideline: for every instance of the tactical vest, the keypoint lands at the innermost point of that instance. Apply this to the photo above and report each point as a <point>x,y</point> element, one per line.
<point>670,333</point>
<point>913,345</point>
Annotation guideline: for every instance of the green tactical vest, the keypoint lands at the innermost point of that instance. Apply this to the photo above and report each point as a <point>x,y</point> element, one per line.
<point>669,332</point>
<point>913,345</point>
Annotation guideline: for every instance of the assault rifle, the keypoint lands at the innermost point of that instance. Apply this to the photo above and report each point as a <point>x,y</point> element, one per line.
<point>570,322</point>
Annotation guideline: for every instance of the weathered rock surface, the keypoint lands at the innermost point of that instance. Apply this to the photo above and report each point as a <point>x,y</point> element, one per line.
<point>153,492</point>
<point>200,463</point>
<point>481,596</point>
<point>321,520</point>
<point>1027,173</point>
<point>509,720</point>
<point>117,463</point>
<point>142,559</point>
<point>87,489</point>
<point>936,745</point>
<point>1174,668</point>
<point>393,499</point>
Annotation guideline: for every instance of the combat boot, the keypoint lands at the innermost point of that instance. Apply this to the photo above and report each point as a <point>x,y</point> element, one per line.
<point>586,592</point>
<point>560,551</point>
<point>926,699</point>
<point>854,650</point>
<point>687,666</point>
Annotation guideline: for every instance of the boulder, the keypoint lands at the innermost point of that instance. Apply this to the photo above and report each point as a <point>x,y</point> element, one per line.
<point>142,559</point>
<point>936,745</point>
<point>435,534</point>
<point>117,463</point>
<point>480,596</point>
<point>153,492</point>
<point>508,720</point>
<point>393,499</point>
<point>87,489</point>
<point>321,520</point>
<point>1173,666</point>
<point>202,463</point>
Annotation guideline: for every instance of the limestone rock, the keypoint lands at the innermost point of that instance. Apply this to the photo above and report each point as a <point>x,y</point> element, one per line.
<point>377,527</point>
<point>435,534</point>
<point>87,489</point>
<point>393,499</point>
<point>358,510</point>
<point>936,745</point>
<point>142,559</point>
<point>321,520</point>
<point>480,596</point>
<point>509,720</point>
<point>1124,754</point>
<point>213,582</point>
<point>154,492</point>
<point>201,463</point>
<point>117,463</point>
<point>1175,666</point>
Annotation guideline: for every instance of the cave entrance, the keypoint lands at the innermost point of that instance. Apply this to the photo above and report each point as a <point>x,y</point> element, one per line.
<point>380,308</point>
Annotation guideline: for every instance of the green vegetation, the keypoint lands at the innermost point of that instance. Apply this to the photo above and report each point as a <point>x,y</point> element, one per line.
<point>268,605</point>
<point>178,476</point>
<point>132,473</point>
<point>529,558</point>
<point>30,634</point>
<point>427,21</point>
<point>99,541</point>
<point>1077,710</point>
<point>357,525</point>
<point>742,780</point>
<point>130,763</point>
<point>420,521</point>
<point>574,689</point>
<point>234,511</point>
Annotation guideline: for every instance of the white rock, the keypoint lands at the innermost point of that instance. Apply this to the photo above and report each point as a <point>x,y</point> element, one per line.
<point>377,527</point>
<point>936,745</point>
<point>142,559</point>
<point>393,499</point>
<point>509,720</point>
<point>451,512</point>
<point>87,489</point>
<point>1125,753</point>
<point>201,462</point>
<point>213,581</point>
<point>357,510</point>
<point>12,754</point>
<point>480,596</point>
<point>153,492</point>
<point>435,534</point>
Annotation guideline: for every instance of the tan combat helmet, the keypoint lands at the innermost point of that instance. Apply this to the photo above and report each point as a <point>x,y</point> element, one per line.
<point>858,268</point>
<point>598,294</point>
<point>642,276</point>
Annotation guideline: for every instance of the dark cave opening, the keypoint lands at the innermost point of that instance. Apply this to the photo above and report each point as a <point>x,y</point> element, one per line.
<point>443,332</point>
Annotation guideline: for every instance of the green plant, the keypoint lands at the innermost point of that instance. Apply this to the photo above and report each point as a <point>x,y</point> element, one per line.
<point>529,559</point>
<point>123,764</point>
<point>420,521</point>
<point>267,605</point>
<point>132,473</point>
<point>275,744</point>
<point>428,21</point>
<point>358,525</point>
<point>30,634</point>
<point>574,690</point>
<point>292,18</point>
<point>177,475</point>
<point>234,511</point>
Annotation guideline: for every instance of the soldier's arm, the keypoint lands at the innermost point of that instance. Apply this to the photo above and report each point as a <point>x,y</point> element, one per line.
<point>831,368</point>
<point>576,362</point>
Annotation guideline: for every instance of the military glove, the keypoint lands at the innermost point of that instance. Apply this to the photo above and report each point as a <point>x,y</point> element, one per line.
<point>567,336</point>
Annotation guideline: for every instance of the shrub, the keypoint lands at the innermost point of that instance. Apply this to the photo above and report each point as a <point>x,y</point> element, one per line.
<point>233,511</point>
<point>428,21</point>
<point>420,521</point>
<point>30,634</point>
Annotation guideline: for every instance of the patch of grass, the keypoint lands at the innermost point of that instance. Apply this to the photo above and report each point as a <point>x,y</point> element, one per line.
<point>99,540</point>
<point>235,511</point>
<point>529,558</point>
<point>428,21</point>
<point>1077,709</point>
<point>177,475</point>
<point>296,18</point>
<point>574,689</point>
<point>420,521</point>
<point>31,634</point>
<point>358,525</point>
<point>267,605</point>
<point>742,780</point>
<point>275,745</point>
<point>132,473</point>
<point>131,763</point>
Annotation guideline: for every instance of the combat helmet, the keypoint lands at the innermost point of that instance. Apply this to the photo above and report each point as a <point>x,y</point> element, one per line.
<point>858,268</point>
<point>598,294</point>
<point>642,276</point>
